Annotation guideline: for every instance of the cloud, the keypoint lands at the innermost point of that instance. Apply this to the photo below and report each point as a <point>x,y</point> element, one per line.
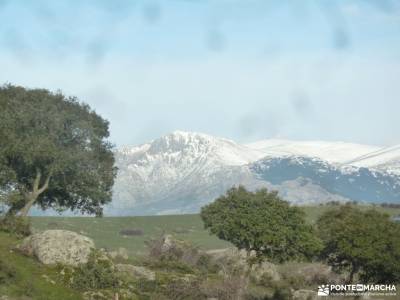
<point>149,69</point>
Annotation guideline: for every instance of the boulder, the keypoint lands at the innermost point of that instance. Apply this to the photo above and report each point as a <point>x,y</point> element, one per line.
<point>58,247</point>
<point>167,243</point>
<point>135,271</point>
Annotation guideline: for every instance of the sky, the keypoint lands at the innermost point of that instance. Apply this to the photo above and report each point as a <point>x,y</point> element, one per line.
<point>245,70</point>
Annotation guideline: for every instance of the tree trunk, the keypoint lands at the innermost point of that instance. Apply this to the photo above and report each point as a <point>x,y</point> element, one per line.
<point>12,211</point>
<point>353,271</point>
<point>30,201</point>
<point>32,196</point>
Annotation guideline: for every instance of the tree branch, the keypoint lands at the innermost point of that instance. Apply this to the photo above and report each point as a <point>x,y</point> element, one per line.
<point>45,185</point>
<point>36,182</point>
<point>32,196</point>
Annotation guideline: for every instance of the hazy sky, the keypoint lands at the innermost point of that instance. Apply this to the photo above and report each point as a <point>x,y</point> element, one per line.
<point>245,70</point>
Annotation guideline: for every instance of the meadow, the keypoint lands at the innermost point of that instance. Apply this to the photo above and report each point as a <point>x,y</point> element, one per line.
<point>107,232</point>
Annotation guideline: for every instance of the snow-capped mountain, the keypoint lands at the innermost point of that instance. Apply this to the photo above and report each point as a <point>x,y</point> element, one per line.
<point>384,159</point>
<point>182,171</point>
<point>360,184</point>
<point>333,152</point>
<point>181,167</point>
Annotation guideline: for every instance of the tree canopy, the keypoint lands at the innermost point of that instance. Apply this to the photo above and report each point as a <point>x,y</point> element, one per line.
<point>262,222</point>
<point>54,152</point>
<point>364,243</point>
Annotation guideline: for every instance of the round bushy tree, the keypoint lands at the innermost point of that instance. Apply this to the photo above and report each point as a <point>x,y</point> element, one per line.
<point>262,222</point>
<point>364,243</point>
<point>53,153</point>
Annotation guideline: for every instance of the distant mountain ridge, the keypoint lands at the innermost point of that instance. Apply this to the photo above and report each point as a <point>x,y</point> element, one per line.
<point>182,171</point>
<point>386,159</point>
<point>333,152</point>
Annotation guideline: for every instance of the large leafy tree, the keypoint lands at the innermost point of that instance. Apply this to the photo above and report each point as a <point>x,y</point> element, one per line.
<point>262,222</point>
<point>362,243</point>
<point>54,152</point>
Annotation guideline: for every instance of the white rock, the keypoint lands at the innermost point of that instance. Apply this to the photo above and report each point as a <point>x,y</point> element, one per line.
<point>58,247</point>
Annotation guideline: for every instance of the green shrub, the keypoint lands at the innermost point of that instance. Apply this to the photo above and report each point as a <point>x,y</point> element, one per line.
<point>180,256</point>
<point>185,290</point>
<point>177,250</point>
<point>18,226</point>
<point>363,244</point>
<point>170,265</point>
<point>205,264</point>
<point>7,272</point>
<point>266,280</point>
<point>297,282</point>
<point>97,273</point>
<point>257,293</point>
<point>282,293</point>
<point>226,288</point>
<point>261,222</point>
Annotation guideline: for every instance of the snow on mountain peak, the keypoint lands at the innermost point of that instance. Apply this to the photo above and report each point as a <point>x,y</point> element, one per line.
<point>333,152</point>
<point>181,145</point>
<point>181,141</point>
<point>387,159</point>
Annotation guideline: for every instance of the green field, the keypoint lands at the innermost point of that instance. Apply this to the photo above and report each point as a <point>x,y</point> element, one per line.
<point>106,231</point>
<point>25,278</point>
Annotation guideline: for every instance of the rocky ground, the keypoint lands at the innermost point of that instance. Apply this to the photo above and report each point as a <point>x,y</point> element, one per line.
<point>173,269</point>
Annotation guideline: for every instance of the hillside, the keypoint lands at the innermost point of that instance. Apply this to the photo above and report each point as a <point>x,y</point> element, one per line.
<point>106,232</point>
<point>177,277</point>
<point>26,278</point>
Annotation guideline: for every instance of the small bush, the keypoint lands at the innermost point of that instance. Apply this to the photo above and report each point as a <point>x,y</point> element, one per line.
<point>170,265</point>
<point>185,290</point>
<point>227,288</point>
<point>282,294</point>
<point>257,293</point>
<point>167,249</point>
<point>266,280</point>
<point>179,256</point>
<point>206,264</point>
<point>18,226</point>
<point>97,273</point>
<point>7,272</point>
<point>296,281</point>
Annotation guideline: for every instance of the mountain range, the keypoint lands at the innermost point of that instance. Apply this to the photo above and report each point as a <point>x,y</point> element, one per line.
<point>182,171</point>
